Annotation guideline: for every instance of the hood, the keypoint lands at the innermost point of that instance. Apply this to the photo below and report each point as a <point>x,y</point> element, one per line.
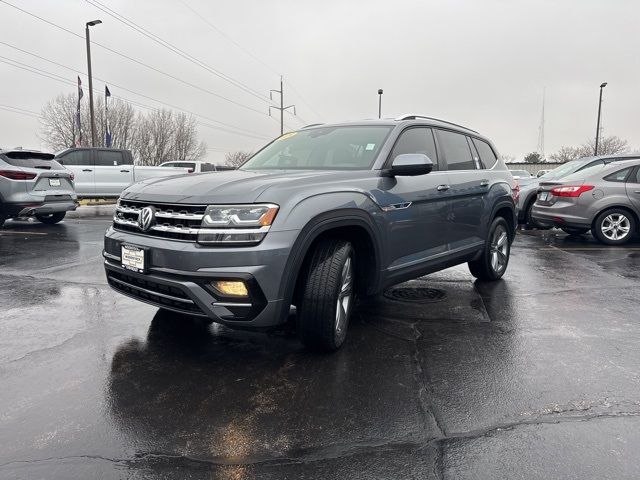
<point>232,186</point>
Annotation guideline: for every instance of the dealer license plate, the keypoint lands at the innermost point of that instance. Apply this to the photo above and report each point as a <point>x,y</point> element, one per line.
<point>133,258</point>
<point>544,196</point>
<point>54,182</point>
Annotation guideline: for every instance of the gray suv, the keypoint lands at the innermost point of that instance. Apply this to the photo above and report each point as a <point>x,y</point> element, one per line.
<point>33,184</point>
<point>313,219</point>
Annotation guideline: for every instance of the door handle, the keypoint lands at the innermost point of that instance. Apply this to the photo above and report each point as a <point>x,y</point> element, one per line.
<point>484,183</point>
<point>443,188</point>
<point>87,170</point>
<point>124,171</point>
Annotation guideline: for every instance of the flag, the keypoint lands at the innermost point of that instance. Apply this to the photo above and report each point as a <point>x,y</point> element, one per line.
<point>78,139</point>
<point>107,130</point>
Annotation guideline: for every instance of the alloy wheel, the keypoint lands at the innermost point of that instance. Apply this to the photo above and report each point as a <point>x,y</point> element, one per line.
<point>499,249</point>
<point>345,295</point>
<point>615,226</point>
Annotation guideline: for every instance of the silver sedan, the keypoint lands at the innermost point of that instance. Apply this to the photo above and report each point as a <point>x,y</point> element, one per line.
<point>602,198</point>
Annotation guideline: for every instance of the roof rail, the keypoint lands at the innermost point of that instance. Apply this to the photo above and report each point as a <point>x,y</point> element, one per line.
<point>312,125</point>
<point>414,117</point>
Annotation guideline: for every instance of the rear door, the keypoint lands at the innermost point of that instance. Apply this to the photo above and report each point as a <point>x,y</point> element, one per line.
<point>633,189</point>
<point>80,162</point>
<point>113,172</point>
<point>468,188</point>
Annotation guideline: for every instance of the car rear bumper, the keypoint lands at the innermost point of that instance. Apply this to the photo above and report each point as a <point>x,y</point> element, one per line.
<point>180,273</point>
<point>29,209</point>
<point>559,216</point>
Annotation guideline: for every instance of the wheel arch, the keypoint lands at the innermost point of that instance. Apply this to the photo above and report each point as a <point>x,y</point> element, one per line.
<point>354,225</point>
<point>506,210</point>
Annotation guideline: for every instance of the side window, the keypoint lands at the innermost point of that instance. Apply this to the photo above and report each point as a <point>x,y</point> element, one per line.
<point>207,167</point>
<point>76,157</point>
<point>455,150</point>
<point>619,176</point>
<point>636,179</point>
<point>416,140</point>
<point>170,164</point>
<point>106,158</point>
<point>487,155</point>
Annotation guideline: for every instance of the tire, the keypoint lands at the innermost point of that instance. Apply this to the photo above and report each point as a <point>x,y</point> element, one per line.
<point>51,218</point>
<point>328,294</point>
<point>528,219</point>
<point>2,220</point>
<point>495,256</point>
<point>614,227</point>
<point>575,231</point>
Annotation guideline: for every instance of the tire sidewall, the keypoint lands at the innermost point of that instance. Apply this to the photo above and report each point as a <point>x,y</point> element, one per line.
<point>487,249</point>
<point>597,230</point>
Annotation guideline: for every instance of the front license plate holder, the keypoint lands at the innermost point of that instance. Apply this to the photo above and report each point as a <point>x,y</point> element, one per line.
<point>134,258</point>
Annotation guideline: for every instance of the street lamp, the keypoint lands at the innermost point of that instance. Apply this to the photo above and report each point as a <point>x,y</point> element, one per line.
<point>595,150</point>
<point>93,123</point>
<point>379,103</point>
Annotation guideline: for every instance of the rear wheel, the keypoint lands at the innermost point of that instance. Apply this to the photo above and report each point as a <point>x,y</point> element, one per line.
<point>327,299</point>
<point>614,227</point>
<point>528,218</point>
<point>495,257</point>
<point>51,218</point>
<point>575,231</point>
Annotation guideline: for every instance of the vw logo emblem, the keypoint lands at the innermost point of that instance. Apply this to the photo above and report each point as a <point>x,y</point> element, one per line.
<point>146,218</point>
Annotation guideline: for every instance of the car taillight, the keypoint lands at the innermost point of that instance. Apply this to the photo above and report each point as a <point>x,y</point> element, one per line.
<point>571,190</point>
<point>515,191</point>
<point>17,175</point>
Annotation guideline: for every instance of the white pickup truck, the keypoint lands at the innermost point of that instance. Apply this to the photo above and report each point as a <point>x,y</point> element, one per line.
<point>106,172</point>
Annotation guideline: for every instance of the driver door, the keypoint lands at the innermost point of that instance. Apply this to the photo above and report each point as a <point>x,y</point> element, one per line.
<point>415,207</point>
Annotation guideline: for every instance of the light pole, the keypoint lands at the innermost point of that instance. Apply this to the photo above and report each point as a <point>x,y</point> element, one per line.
<point>595,150</point>
<point>93,123</point>
<point>379,103</point>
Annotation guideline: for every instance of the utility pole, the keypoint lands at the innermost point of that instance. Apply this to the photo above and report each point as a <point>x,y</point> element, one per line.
<point>595,150</point>
<point>380,103</point>
<point>282,108</point>
<point>93,122</point>
<point>541,132</point>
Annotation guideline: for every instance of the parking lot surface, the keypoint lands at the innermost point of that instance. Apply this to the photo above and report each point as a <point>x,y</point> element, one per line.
<point>536,376</point>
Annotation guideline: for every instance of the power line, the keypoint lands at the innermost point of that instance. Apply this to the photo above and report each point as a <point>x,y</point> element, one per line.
<point>247,52</point>
<point>178,51</point>
<point>115,52</point>
<point>19,110</point>
<point>62,79</point>
<point>282,108</point>
<point>242,130</point>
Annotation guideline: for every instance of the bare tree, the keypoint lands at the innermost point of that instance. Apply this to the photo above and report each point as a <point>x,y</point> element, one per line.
<point>606,146</point>
<point>235,159</point>
<point>533,157</point>
<point>185,139</point>
<point>58,126</point>
<point>507,158</point>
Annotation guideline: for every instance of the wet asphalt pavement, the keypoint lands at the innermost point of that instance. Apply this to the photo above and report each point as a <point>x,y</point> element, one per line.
<point>536,376</point>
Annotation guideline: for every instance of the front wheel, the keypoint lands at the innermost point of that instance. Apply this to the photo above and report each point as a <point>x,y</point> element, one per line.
<point>495,256</point>
<point>575,231</point>
<point>614,227</point>
<point>51,218</point>
<point>327,299</point>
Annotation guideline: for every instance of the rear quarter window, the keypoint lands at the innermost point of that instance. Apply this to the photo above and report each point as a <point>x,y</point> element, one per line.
<point>619,176</point>
<point>487,155</point>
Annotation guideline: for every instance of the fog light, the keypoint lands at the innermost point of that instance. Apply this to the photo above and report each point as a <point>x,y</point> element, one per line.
<point>232,288</point>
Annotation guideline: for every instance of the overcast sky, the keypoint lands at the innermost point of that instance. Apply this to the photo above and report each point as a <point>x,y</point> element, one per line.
<point>479,63</point>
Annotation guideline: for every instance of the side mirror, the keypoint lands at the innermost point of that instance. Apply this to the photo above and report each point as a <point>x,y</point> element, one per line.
<point>411,164</point>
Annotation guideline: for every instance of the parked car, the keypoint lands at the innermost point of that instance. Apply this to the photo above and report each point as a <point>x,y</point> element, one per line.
<point>529,192</point>
<point>314,218</point>
<point>197,166</point>
<point>603,198</point>
<point>521,174</point>
<point>542,172</point>
<point>106,172</point>
<point>33,184</point>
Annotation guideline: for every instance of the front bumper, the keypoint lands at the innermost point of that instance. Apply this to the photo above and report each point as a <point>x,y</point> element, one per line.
<point>180,273</point>
<point>559,215</point>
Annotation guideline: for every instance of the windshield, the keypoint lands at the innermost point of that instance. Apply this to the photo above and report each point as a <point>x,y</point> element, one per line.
<point>563,170</point>
<point>325,148</point>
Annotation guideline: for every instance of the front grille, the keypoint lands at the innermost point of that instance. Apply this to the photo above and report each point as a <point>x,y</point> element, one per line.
<point>175,221</point>
<point>153,292</point>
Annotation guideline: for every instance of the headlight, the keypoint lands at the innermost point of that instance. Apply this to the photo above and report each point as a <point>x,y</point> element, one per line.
<point>236,224</point>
